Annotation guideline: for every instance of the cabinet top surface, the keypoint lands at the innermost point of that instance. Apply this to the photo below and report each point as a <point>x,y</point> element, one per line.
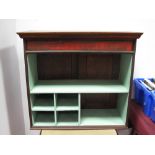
<point>80,35</point>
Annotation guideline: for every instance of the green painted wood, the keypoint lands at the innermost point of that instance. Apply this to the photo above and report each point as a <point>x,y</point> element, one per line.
<point>67,102</point>
<point>32,69</point>
<point>79,86</point>
<point>79,110</point>
<point>42,103</point>
<point>100,117</point>
<point>74,115</point>
<point>67,118</point>
<point>43,119</point>
<point>125,69</point>
<point>122,106</point>
<point>55,113</point>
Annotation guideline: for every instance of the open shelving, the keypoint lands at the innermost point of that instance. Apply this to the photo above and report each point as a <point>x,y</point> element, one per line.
<point>67,118</point>
<point>116,115</point>
<point>40,102</point>
<point>79,80</point>
<point>81,97</point>
<point>43,118</point>
<point>66,102</point>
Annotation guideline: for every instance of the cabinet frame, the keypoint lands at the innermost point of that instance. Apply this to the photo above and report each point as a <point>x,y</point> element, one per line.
<point>96,42</point>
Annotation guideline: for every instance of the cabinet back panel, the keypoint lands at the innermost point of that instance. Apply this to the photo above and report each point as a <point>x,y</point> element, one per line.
<point>98,101</point>
<point>61,66</point>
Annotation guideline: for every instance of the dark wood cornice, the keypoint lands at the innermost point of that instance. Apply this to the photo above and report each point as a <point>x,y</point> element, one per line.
<point>80,35</point>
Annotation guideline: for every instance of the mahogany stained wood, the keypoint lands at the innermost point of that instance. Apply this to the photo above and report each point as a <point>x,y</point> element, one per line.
<point>81,35</point>
<point>115,46</point>
<point>101,41</point>
<point>98,101</point>
<point>142,124</point>
<point>56,66</point>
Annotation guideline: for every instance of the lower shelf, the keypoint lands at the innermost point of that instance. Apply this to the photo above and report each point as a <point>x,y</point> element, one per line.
<point>89,117</point>
<point>79,110</point>
<point>43,118</point>
<point>67,118</point>
<point>100,117</point>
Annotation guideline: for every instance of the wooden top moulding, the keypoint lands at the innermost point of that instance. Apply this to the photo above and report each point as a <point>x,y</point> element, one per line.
<point>80,41</point>
<point>81,35</point>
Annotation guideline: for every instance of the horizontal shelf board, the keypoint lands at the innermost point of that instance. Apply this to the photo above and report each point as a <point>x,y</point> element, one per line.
<point>76,51</point>
<point>79,86</point>
<point>43,124</point>
<point>42,108</point>
<point>67,108</point>
<point>67,102</point>
<point>67,118</point>
<point>44,119</point>
<point>43,105</point>
<point>67,123</point>
<point>100,117</point>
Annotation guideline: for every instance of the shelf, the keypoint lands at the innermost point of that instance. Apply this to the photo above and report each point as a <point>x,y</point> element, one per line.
<point>79,86</point>
<point>43,102</point>
<point>67,102</point>
<point>100,117</point>
<point>75,90</point>
<point>67,118</point>
<point>43,119</point>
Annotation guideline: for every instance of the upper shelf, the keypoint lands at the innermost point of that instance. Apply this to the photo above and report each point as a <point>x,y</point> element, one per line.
<point>79,86</point>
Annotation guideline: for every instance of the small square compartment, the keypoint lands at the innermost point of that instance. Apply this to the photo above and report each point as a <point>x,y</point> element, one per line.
<point>66,102</point>
<point>42,102</point>
<point>43,118</point>
<point>67,118</point>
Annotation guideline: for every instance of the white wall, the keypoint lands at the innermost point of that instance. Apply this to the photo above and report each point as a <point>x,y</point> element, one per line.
<point>144,63</point>
<point>11,110</point>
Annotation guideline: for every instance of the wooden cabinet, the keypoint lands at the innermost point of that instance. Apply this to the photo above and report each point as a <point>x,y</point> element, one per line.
<point>78,80</point>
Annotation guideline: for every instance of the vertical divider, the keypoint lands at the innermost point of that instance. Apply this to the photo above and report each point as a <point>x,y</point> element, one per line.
<point>55,112</point>
<point>33,117</point>
<point>79,111</point>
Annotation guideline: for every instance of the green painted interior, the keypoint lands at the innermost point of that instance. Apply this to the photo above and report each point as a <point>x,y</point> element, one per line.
<point>32,70</point>
<point>125,69</point>
<point>100,117</point>
<point>79,105</point>
<point>42,102</point>
<point>79,86</point>
<point>67,118</point>
<point>55,113</point>
<point>62,104</point>
<point>67,102</point>
<point>41,118</point>
<point>122,106</point>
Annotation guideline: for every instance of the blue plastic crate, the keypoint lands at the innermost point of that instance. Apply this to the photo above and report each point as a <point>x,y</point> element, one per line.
<point>153,108</point>
<point>139,92</point>
<point>143,96</point>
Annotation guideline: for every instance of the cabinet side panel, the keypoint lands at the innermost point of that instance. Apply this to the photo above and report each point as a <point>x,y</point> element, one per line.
<point>32,69</point>
<point>122,106</point>
<point>125,69</point>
